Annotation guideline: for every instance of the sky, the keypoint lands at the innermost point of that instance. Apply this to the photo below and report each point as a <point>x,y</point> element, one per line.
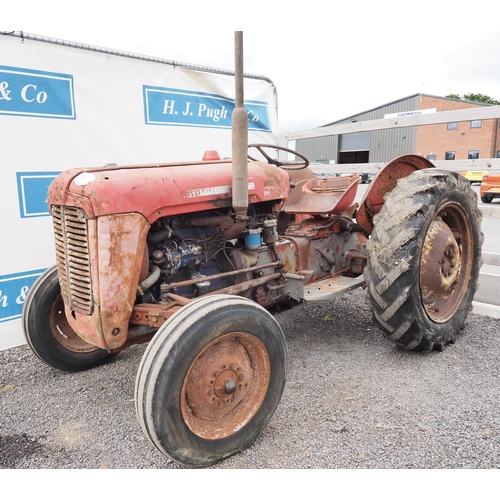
<point>328,60</point>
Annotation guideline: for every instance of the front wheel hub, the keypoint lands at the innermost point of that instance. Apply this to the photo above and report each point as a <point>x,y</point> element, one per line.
<point>225,385</point>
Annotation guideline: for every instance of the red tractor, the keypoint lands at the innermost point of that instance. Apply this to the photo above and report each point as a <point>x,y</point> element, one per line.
<point>190,256</point>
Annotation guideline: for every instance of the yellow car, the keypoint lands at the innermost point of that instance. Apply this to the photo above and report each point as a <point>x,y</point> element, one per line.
<point>475,175</point>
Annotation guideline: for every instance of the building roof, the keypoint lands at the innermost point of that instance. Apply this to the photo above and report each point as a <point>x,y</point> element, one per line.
<point>403,99</point>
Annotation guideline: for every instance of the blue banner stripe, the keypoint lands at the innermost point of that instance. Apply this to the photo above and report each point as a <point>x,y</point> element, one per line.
<point>32,188</point>
<point>26,92</point>
<point>13,291</point>
<point>163,106</point>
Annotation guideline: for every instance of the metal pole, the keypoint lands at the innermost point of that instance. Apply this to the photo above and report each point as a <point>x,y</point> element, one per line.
<point>239,135</point>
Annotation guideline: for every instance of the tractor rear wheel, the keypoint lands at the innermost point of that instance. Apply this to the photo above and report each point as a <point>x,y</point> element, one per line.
<point>424,259</point>
<point>48,333</point>
<point>211,379</point>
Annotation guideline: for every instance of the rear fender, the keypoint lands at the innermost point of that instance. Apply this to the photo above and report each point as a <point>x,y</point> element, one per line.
<point>384,182</point>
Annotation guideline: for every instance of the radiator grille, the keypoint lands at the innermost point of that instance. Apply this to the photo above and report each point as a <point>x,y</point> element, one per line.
<point>72,253</point>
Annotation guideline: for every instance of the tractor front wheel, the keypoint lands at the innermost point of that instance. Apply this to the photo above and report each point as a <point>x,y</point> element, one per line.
<point>211,379</point>
<point>424,259</point>
<point>48,333</point>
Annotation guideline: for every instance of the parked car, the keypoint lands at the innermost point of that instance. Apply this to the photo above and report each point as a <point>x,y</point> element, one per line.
<point>490,186</point>
<point>365,178</point>
<point>475,175</point>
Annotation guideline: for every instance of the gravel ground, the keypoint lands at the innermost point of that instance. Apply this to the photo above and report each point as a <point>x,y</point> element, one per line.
<point>352,401</point>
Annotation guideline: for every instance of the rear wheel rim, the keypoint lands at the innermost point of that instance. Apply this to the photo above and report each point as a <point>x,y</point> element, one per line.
<point>446,263</point>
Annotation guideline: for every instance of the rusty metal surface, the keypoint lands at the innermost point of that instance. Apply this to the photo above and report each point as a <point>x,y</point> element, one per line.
<point>155,315</point>
<point>220,221</point>
<point>72,253</point>
<point>225,385</point>
<point>89,328</point>
<point>179,284</point>
<point>63,333</point>
<point>384,182</point>
<point>116,250</point>
<point>440,261</point>
<point>165,189</point>
<point>330,287</point>
<point>319,248</point>
<point>446,262</point>
<point>322,196</point>
<point>118,253</point>
<point>246,285</point>
<point>239,137</point>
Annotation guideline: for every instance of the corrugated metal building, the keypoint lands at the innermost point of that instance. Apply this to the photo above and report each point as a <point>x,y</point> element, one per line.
<point>385,145</point>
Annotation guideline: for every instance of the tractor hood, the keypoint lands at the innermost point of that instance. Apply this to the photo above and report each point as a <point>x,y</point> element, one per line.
<point>160,190</point>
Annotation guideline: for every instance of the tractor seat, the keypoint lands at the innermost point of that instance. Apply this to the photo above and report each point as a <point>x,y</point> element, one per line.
<point>322,196</point>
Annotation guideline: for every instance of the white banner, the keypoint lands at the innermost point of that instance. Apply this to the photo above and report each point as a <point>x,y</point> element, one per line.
<point>416,112</point>
<point>62,107</point>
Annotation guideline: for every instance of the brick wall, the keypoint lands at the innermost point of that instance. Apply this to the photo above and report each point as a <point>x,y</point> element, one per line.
<point>437,139</point>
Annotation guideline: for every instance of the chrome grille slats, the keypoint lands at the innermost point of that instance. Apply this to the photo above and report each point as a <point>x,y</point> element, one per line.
<point>73,261</point>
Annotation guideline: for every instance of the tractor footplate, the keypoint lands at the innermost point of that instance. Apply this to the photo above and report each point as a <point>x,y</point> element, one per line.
<point>330,287</point>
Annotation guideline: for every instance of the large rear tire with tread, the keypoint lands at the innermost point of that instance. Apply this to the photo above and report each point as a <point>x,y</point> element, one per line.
<point>424,259</point>
<point>211,379</point>
<point>48,333</point>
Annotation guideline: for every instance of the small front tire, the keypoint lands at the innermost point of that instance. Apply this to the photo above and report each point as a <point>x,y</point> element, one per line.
<point>48,333</point>
<point>211,379</point>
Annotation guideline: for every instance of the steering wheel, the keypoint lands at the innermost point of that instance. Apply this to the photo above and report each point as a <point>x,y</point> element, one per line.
<point>285,165</point>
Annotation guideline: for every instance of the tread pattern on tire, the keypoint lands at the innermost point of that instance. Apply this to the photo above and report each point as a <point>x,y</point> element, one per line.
<point>394,256</point>
<point>39,336</point>
<point>174,346</point>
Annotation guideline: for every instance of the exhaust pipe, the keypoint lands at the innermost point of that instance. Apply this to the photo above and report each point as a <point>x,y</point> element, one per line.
<point>239,128</point>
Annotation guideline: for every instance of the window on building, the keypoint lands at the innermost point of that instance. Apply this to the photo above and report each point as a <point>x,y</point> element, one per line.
<point>476,123</point>
<point>473,154</point>
<point>431,157</point>
<point>449,155</point>
<point>498,154</point>
<point>452,125</point>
